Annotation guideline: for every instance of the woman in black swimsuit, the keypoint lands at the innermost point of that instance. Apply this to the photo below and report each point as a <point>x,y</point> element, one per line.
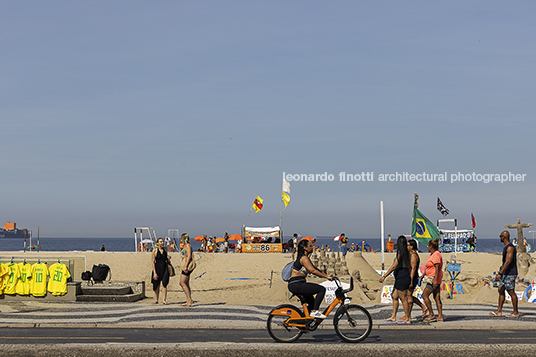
<point>160,270</point>
<point>298,285</point>
<point>400,266</point>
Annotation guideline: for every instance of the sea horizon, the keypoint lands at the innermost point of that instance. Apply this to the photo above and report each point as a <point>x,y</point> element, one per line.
<point>127,244</point>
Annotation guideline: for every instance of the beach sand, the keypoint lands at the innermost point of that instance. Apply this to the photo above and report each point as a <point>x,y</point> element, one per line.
<point>255,278</point>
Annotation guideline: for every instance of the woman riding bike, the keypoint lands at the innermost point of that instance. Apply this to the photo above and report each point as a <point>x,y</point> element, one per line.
<point>299,286</point>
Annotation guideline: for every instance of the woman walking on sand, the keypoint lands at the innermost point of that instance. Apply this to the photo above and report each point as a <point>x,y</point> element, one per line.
<point>434,275</point>
<point>401,267</point>
<point>160,274</point>
<point>187,266</point>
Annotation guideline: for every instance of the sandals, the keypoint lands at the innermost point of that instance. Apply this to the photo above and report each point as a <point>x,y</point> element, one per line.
<point>430,319</point>
<point>424,313</point>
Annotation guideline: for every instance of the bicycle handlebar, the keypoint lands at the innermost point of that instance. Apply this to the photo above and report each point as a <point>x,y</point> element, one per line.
<point>339,285</point>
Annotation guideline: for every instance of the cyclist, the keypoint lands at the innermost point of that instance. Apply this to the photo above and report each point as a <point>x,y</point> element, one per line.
<point>298,285</point>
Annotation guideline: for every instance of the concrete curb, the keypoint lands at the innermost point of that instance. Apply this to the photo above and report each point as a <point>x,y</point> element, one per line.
<point>267,349</point>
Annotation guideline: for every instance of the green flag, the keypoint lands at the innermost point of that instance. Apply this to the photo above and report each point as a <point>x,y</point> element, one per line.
<point>422,229</point>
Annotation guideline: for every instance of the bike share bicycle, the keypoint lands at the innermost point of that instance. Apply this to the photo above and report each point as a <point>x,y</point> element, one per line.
<point>352,322</point>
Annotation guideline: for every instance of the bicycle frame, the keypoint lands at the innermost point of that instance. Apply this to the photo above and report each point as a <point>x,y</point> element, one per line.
<point>295,320</point>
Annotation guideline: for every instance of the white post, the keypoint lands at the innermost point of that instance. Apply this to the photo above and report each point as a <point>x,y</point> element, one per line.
<point>382,235</point>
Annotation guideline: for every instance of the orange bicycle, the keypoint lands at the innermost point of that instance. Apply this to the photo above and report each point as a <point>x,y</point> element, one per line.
<point>352,322</point>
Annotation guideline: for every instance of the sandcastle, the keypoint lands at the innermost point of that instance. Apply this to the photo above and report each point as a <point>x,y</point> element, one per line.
<point>330,263</point>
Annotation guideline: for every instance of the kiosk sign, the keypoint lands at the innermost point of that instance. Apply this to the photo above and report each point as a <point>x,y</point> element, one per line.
<point>262,248</point>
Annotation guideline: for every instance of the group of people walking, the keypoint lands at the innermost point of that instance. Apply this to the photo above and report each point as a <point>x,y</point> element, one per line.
<point>406,271</point>
<point>406,266</point>
<point>162,266</point>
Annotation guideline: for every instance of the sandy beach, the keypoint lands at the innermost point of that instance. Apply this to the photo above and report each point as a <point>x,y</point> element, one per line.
<point>253,279</point>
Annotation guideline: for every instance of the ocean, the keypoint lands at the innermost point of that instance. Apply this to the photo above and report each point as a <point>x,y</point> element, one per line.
<point>127,244</point>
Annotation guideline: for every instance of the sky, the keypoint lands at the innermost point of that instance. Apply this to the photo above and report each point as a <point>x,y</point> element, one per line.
<point>177,114</point>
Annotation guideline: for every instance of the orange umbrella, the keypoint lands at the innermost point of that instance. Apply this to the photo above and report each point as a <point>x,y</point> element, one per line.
<point>198,238</point>
<point>235,237</point>
<point>219,240</point>
<point>308,238</point>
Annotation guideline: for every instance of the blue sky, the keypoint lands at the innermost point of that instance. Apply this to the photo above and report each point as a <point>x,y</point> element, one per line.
<point>123,114</point>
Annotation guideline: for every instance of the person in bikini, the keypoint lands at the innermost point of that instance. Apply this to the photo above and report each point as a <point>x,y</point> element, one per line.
<point>298,284</point>
<point>187,257</point>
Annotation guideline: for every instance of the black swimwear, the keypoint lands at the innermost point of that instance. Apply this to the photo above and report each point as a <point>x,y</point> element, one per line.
<point>402,279</point>
<point>161,268</point>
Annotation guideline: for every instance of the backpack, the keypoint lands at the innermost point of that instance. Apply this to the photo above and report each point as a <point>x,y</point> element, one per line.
<point>86,275</point>
<point>100,272</point>
<point>290,243</point>
<point>287,271</point>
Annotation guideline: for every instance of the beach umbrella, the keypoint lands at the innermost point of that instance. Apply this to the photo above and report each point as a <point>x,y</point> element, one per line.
<point>235,237</point>
<point>219,240</point>
<point>307,238</point>
<point>198,238</point>
<point>146,241</point>
<point>337,238</point>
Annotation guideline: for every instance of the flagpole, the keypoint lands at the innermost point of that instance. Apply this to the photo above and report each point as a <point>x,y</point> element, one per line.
<point>456,239</point>
<point>245,225</point>
<point>416,204</point>
<point>284,191</point>
<point>281,214</point>
<point>382,235</point>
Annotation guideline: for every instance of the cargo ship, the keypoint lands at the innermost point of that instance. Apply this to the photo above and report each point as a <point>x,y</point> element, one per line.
<point>10,230</point>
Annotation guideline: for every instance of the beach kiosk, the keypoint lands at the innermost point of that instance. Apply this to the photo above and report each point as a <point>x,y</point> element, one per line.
<point>266,237</point>
<point>454,240</point>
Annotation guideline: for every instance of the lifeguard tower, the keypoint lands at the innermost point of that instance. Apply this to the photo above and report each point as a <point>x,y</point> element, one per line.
<point>144,236</point>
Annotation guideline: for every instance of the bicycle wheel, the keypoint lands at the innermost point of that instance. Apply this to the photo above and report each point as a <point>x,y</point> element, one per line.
<point>277,327</point>
<point>352,323</point>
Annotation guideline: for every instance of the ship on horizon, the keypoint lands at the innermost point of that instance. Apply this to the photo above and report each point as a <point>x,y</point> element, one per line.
<point>10,230</point>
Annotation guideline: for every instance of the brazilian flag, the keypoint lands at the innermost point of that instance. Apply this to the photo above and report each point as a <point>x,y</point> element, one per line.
<point>422,229</point>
